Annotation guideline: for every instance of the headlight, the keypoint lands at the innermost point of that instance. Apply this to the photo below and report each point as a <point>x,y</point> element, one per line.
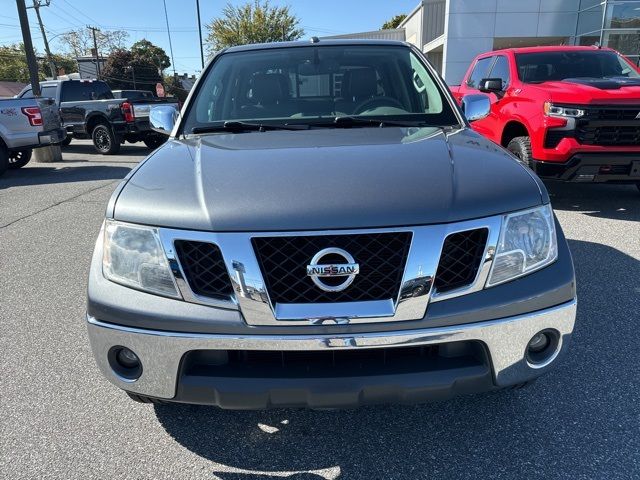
<point>552,110</point>
<point>133,256</point>
<point>527,243</point>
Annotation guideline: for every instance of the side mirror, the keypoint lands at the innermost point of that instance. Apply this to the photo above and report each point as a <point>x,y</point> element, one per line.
<point>491,85</point>
<point>163,118</point>
<point>476,107</point>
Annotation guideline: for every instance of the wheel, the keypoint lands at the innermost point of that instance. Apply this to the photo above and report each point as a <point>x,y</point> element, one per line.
<point>154,141</point>
<point>66,141</point>
<point>142,399</point>
<point>4,159</point>
<point>521,148</point>
<point>19,158</point>
<point>104,140</point>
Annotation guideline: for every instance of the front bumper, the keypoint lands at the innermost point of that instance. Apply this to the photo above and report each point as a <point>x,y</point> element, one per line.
<point>593,168</point>
<point>162,354</point>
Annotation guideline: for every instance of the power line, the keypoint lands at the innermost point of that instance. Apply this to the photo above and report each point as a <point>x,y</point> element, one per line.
<point>81,12</point>
<point>166,17</point>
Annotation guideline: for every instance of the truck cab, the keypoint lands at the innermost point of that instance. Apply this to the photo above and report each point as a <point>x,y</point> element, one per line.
<point>569,113</point>
<point>89,110</point>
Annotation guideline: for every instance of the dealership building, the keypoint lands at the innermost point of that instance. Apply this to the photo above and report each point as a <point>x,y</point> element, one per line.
<point>453,32</point>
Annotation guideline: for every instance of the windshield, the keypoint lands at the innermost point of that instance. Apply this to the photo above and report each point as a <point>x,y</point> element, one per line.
<point>555,66</point>
<point>312,85</point>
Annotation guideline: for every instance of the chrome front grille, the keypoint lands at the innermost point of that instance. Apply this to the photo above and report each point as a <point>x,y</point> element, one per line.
<point>381,256</point>
<point>263,276</point>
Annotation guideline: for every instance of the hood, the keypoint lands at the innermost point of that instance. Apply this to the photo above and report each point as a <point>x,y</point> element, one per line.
<point>325,179</point>
<point>593,90</point>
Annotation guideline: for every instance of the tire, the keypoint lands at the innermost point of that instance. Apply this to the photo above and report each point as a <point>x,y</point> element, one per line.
<point>638,185</point>
<point>19,158</point>
<point>521,148</point>
<point>154,141</point>
<point>104,140</point>
<point>66,141</point>
<point>4,159</point>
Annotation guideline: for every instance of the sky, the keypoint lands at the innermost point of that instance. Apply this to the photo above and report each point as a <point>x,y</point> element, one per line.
<point>145,19</point>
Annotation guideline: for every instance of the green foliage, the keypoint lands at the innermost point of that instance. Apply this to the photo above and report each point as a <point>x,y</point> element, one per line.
<point>253,22</point>
<point>174,87</point>
<point>394,22</point>
<point>66,62</point>
<point>13,64</point>
<point>145,50</point>
<point>122,66</point>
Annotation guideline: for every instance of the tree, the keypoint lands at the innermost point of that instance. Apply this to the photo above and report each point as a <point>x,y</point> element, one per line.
<point>253,22</point>
<point>144,49</point>
<point>65,62</point>
<point>123,70</point>
<point>393,23</point>
<point>80,42</point>
<point>13,63</point>
<point>174,87</point>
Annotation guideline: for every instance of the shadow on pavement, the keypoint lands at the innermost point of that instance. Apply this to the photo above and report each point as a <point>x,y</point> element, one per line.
<point>619,202</point>
<point>86,148</point>
<point>61,174</point>
<point>581,420</point>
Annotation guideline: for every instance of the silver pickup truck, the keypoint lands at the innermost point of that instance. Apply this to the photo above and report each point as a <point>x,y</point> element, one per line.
<point>324,229</point>
<point>26,124</point>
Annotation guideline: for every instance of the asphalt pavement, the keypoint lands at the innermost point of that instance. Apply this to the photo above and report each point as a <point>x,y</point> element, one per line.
<point>60,419</point>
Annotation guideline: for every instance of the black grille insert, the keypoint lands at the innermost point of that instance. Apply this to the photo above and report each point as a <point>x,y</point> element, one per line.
<point>381,256</point>
<point>204,268</point>
<point>605,125</point>
<point>332,363</point>
<point>460,260</point>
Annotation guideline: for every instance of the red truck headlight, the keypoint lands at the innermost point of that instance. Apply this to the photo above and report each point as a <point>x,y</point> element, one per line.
<point>552,110</point>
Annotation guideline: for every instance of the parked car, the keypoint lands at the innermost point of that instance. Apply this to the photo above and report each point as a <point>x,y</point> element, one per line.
<point>323,229</point>
<point>89,110</point>
<point>570,113</point>
<point>133,94</point>
<point>26,124</point>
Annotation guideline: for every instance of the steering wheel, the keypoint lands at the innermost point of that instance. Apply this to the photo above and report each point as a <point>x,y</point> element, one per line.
<point>377,102</point>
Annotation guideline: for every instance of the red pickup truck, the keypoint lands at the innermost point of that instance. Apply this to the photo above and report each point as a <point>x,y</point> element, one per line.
<point>570,113</point>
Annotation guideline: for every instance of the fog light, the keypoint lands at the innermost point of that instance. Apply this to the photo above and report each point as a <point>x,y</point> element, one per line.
<point>125,363</point>
<point>543,348</point>
<point>539,342</point>
<point>127,358</point>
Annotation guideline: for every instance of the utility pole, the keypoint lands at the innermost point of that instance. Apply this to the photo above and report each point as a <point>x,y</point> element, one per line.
<point>28,47</point>
<point>200,33</point>
<point>95,48</point>
<point>52,66</point>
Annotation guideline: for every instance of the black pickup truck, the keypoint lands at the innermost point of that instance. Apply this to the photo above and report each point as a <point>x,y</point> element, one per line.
<point>89,110</point>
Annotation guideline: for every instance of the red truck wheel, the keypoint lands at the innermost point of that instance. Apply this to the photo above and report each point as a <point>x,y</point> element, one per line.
<point>521,148</point>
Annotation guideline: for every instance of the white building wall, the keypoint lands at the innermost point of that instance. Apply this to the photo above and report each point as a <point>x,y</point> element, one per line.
<point>413,28</point>
<point>471,26</point>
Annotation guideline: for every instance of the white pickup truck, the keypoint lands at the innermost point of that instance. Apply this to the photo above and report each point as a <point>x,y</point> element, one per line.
<point>27,123</point>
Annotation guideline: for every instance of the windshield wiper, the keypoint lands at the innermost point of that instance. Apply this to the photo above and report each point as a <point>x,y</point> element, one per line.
<point>237,126</point>
<point>346,121</point>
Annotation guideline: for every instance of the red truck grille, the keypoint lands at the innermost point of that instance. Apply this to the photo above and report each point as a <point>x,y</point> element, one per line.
<point>608,126</point>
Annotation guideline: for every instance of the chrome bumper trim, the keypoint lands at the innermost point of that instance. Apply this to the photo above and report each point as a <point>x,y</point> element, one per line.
<point>161,352</point>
